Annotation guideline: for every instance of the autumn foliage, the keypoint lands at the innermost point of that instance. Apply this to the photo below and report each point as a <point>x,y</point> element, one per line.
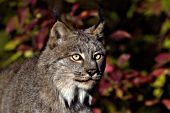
<point>137,74</point>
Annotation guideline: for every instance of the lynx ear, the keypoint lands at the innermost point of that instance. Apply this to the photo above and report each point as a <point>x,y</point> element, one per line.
<point>58,33</point>
<point>96,30</point>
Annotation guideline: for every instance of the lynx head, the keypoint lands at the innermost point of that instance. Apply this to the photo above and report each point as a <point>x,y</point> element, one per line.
<point>75,59</point>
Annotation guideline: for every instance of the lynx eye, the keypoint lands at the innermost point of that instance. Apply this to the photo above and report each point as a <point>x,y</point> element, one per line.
<point>76,57</point>
<point>98,56</point>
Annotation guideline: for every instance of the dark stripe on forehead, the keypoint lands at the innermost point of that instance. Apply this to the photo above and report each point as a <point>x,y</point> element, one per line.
<point>82,42</point>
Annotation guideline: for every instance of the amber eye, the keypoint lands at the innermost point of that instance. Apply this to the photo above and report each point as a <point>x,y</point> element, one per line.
<point>76,57</point>
<point>97,56</point>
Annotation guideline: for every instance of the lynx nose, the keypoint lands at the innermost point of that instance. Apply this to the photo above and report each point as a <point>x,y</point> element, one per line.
<point>91,72</point>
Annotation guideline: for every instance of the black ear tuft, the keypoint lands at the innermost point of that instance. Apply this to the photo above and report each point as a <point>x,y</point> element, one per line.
<point>100,26</point>
<point>97,29</point>
<point>56,14</point>
<point>101,12</point>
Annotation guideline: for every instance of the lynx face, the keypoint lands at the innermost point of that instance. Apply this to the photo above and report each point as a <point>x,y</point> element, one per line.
<point>83,62</point>
<point>76,60</point>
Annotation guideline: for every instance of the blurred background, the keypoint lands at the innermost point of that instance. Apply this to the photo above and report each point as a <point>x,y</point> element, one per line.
<point>137,35</point>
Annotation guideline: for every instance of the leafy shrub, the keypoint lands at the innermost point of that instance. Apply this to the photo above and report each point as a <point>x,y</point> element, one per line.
<point>137,75</point>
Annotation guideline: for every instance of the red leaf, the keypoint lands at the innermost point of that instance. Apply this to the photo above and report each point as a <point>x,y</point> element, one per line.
<point>123,59</point>
<point>103,88</point>
<point>166,102</point>
<point>158,72</point>
<point>31,25</point>
<point>22,37</point>
<point>120,34</point>
<point>45,23</point>
<point>33,2</point>
<point>74,8</point>
<point>97,110</point>
<point>156,7</point>
<point>23,47</point>
<point>40,39</point>
<point>109,68</point>
<point>151,102</point>
<point>117,76</point>
<point>162,59</point>
<point>12,24</point>
<point>23,15</point>
<point>131,74</point>
<point>86,14</point>
<point>141,80</point>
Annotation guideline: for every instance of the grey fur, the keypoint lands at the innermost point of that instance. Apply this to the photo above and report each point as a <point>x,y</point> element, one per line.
<point>52,82</point>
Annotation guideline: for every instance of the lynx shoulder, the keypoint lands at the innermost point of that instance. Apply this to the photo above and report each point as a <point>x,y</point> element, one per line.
<point>61,79</point>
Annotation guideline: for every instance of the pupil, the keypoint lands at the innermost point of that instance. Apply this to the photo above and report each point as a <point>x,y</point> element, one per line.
<point>76,57</point>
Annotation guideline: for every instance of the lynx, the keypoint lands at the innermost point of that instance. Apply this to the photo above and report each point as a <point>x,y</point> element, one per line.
<point>62,79</point>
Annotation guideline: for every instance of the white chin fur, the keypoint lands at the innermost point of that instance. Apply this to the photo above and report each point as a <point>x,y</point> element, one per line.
<point>69,94</point>
<point>85,85</point>
<point>83,95</point>
<point>69,91</point>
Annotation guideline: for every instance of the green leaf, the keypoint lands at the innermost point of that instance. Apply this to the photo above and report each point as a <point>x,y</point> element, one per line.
<point>110,107</point>
<point>4,39</point>
<point>165,5</point>
<point>166,43</point>
<point>112,60</point>
<point>160,81</point>
<point>158,92</point>
<point>149,38</point>
<point>148,12</point>
<point>131,11</point>
<point>28,53</point>
<point>113,15</point>
<point>11,45</point>
<point>71,1</point>
<point>13,58</point>
<point>165,27</point>
<point>140,97</point>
